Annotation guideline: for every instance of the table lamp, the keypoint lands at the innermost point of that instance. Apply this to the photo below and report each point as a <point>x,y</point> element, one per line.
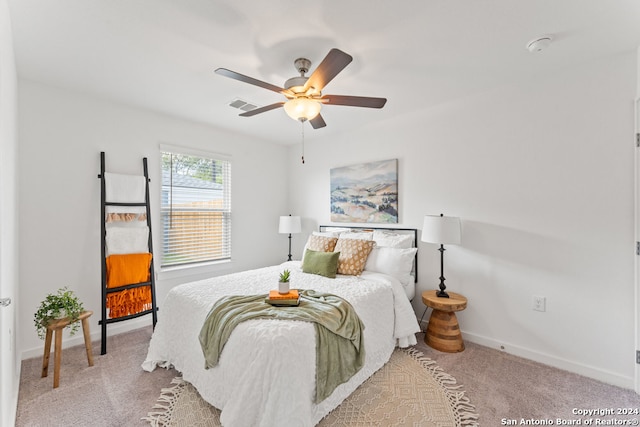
<point>291,225</point>
<point>443,230</point>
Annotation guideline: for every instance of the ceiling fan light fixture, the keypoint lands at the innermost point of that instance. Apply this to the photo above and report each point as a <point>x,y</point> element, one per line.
<point>302,108</point>
<point>296,84</point>
<point>304,94</point>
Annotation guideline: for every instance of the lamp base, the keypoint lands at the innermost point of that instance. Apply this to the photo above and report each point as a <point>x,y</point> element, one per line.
<point>442,294</point>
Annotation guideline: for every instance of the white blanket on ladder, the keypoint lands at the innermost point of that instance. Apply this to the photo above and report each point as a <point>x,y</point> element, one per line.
<point>121,188</point>
<point>127,240</point>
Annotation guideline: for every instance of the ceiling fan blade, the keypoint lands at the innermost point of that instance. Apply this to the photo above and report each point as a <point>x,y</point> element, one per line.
<point>354,101</point>
<point>331,65</point>
<point>317,122</point>
<point>262,109</point>
<point>247,79</point>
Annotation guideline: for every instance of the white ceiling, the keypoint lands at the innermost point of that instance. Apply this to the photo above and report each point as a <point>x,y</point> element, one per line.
<point>161,54</point>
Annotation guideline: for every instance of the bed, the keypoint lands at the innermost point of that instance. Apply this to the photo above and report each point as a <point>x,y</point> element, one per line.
<point>266,372</point>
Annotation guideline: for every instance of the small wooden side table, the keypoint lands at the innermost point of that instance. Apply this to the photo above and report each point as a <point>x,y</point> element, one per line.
<point>57,326</point>
<point>443,332</point>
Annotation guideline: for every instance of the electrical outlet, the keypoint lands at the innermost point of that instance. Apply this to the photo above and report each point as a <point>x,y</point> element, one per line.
<point>539,303</point>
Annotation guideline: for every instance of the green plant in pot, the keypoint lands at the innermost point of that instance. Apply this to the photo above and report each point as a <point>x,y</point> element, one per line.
<point>283,283</point>
<point>62,304</point>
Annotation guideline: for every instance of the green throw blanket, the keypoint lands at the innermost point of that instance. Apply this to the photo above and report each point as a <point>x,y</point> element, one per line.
<point>339,332</point>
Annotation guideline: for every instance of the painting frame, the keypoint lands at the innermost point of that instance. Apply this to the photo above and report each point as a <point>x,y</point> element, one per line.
<point>365,192</point>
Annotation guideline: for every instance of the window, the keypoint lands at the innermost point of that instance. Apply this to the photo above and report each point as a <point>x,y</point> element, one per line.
<point>196,208</point>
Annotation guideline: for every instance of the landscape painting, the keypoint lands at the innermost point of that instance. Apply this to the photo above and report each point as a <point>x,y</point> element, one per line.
<point>366,192</point>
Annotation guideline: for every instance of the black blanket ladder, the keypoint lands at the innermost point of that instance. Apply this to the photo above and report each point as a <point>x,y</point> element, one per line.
<point>103,247</point>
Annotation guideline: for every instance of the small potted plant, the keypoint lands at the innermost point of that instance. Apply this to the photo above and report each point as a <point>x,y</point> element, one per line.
<point>283,283</point>
<point>62,304</point>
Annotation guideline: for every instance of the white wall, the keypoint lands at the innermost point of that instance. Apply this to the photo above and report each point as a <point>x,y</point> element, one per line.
<point>61,136</point>
<point>542,176</point>
<point>9,362</point>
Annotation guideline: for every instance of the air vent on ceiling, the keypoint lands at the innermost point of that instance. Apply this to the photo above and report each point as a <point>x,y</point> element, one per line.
<point>243,105</point>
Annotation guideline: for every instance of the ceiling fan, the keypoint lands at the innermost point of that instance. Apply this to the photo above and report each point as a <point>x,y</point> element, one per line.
<point>304,94</point>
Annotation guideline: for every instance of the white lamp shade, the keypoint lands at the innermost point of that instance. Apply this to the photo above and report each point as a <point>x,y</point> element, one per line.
<point>441,229</point>
<point>289,225</point>
<point>302,108</point>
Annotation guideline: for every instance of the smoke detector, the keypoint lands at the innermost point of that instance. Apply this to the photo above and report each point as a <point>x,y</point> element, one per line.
<point>539,44</point>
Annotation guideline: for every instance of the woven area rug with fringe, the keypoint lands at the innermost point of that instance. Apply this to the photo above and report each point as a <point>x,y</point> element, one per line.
<point>409,390</point>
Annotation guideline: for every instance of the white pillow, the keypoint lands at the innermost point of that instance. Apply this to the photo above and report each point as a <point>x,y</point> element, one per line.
<point>396,262</point>
<point>335,229</point>
<point>390,239</point>
<point>361,235</point>
<point>326,233</point>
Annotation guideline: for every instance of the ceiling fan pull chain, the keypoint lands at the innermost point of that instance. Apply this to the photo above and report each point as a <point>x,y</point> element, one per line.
<point>302,125</point>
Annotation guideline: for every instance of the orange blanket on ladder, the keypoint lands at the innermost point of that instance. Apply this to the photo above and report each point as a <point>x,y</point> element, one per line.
<point>124,270</point>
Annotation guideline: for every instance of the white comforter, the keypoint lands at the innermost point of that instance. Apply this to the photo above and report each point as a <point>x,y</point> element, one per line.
<point>266,372</point>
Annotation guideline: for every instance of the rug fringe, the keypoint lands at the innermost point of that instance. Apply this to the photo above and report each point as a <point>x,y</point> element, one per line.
<point>165,404</point>
<point>465,411</point>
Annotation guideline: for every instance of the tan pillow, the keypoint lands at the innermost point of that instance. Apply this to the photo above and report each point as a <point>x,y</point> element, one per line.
<point>321,243</point>
<point>353,255</point>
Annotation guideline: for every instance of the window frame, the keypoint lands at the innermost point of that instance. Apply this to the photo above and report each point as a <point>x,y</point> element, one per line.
<point>205,265</point>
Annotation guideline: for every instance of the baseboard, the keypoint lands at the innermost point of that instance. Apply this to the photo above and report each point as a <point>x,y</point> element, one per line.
<point>9,418</point>
<point>546,359</point>
<point>96,335</point>
<point>556,362</point>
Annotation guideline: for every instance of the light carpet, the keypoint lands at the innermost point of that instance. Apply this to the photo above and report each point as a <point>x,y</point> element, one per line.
<point>409,390</point>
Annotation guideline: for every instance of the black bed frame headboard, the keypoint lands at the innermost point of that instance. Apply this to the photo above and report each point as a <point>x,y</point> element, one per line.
<point>413,231</point>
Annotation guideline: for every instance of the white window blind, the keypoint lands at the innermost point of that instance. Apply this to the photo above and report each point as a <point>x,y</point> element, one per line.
<point>196,209</point>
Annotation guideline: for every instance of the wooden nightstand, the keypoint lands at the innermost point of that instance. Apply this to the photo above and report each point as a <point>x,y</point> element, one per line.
<point>443,332</point>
